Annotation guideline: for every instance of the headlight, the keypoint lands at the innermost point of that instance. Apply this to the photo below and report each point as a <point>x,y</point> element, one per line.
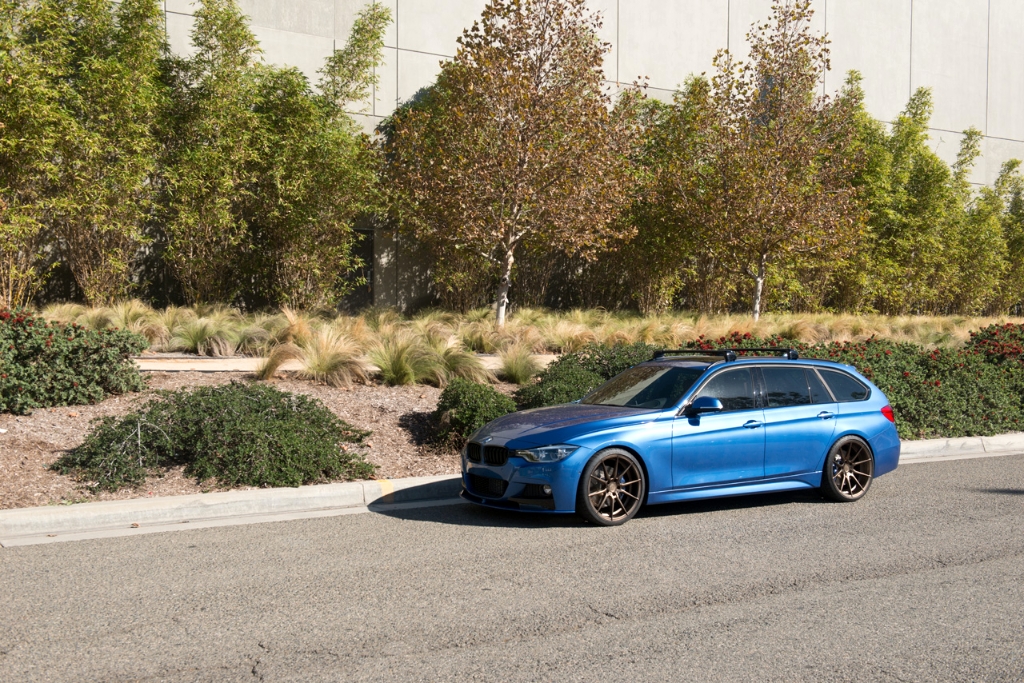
<point>547,453</point>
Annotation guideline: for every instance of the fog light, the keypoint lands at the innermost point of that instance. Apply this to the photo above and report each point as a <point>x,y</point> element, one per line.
<point>547,490</point>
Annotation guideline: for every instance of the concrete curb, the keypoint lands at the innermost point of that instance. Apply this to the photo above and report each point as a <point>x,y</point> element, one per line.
<point>932,449</point>
<point>64,519</point>
<point>18,526</point>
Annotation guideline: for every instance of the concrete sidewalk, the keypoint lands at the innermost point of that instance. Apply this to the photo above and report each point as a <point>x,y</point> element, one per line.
<point>54,523</point>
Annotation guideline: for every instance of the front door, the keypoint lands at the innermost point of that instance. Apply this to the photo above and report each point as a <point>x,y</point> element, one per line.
<point>800,418</point>
<point>721,448</point>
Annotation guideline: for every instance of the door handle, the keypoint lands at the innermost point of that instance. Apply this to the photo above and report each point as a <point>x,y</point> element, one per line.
<point>752,424</point>
<point>825,415</point>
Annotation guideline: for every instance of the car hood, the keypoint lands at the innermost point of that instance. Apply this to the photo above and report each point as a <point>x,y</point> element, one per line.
<point>540,425</point>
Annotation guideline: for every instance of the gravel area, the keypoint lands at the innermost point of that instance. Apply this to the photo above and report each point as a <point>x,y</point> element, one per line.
<point>397,416</point>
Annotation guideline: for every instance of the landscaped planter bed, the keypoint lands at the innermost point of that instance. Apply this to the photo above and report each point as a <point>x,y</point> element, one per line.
<point>398,417</point>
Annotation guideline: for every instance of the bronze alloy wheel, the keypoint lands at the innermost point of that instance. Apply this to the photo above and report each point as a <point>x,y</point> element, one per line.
<point>849,469</point>
<point>612,488</point>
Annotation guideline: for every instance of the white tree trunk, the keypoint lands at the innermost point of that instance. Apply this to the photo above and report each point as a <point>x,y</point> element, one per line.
<point>506,281</point>
<point>759,287</point>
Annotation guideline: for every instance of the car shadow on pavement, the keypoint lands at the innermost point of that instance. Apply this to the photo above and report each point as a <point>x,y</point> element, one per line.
<point>465,514</point>
<point>461,513</point>
<point>759,500</point>
<point>1002,492</point>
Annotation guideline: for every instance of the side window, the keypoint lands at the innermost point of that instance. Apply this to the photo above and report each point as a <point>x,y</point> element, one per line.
<point>819,394</point>
<point>734,388</point>
<point>786,387</point>
<point>845,388</point>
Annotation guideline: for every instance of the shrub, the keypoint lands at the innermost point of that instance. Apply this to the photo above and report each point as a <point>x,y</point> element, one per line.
<point>999,342</point>
<point>606,360</point>
<point>559,384</point>
<point>238,434</point>
<point>52,364</point>
<point>466,406</point>
<point>934,393</point>
<point>958,393</point>
<point>574,374</point>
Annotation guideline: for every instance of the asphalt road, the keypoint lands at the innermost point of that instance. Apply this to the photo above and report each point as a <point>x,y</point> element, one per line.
<point>922,580</point>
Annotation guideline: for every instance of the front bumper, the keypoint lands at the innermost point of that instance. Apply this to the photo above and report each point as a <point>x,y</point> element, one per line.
<point>517,484</point>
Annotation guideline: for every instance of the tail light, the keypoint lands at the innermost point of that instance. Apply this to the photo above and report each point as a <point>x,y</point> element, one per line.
<point>889,415</point>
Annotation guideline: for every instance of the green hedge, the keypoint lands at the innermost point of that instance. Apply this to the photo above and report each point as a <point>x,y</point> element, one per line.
<point>46,364</point>
<point>573,375</point>
<point>238,434</point>
<point>977,390</point>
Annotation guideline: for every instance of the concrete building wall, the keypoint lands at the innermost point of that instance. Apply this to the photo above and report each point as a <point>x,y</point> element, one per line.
<point>968,51</point>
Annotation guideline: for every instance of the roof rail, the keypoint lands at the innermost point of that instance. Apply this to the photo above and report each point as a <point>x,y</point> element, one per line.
<point>728,354</point>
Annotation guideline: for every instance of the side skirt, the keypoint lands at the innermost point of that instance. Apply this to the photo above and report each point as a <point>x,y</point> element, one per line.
<point>805,481</point>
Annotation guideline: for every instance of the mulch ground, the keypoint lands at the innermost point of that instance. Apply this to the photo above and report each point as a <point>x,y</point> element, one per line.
<point>399,418</point>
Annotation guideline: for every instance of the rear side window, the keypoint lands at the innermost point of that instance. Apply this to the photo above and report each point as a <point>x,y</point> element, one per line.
<point>819,394</point>
<point>844,387</point>
<point>734,388</point>
<point>786,387</point>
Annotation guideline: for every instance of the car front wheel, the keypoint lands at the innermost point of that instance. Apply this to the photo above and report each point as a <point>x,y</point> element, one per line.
<point>848,470</point>
<point>611,489</point>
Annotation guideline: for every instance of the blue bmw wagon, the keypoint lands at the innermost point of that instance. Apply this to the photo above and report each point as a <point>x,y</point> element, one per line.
<point>686,426</point>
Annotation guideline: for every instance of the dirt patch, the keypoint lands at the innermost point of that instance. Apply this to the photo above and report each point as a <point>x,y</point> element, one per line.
<point>399,418</point>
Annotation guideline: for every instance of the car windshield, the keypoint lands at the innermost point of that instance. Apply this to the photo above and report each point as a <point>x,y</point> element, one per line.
<point>645,386</point>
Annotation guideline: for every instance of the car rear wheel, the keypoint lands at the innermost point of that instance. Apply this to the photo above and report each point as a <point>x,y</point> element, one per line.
<point>849,469</point>
<point>611,489</point>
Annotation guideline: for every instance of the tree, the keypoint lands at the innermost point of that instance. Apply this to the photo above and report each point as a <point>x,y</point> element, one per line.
<point>208,150</point>
<point>519,145</point>
<point>313,173</point>
<point>106,74</point>
<point>779,185</point>
<point>932,244</point>
<point>1005,200</point>
<point>265,177</point>
<point>680,257</point>
<point>31,122</point>
<point>1011,187</point>
<point>973,242</point>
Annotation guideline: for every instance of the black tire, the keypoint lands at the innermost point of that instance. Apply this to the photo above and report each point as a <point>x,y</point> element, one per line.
<point>848,471</point>
<point>612,488</point>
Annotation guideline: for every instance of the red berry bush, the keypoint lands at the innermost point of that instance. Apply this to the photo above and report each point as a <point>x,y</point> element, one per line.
<point>999,342</point>
<point>46,364</point>
<point>971,391</point>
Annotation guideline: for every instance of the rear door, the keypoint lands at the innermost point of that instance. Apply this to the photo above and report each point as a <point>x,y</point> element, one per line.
<point>800,419</point>
<point>721,448</point>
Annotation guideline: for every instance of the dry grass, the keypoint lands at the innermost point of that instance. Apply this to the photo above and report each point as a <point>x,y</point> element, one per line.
<point>434,346</point>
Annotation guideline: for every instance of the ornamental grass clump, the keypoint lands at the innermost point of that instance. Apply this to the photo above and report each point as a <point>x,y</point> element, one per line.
<point>45,364</point>
<point>402,360</point>
<point>205,337</point>
<point>518,365</point>
<point>331,357</point>
<point>237,434</point>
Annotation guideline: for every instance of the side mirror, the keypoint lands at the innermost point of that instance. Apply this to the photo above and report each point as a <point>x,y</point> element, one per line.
<point>704,404</point>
